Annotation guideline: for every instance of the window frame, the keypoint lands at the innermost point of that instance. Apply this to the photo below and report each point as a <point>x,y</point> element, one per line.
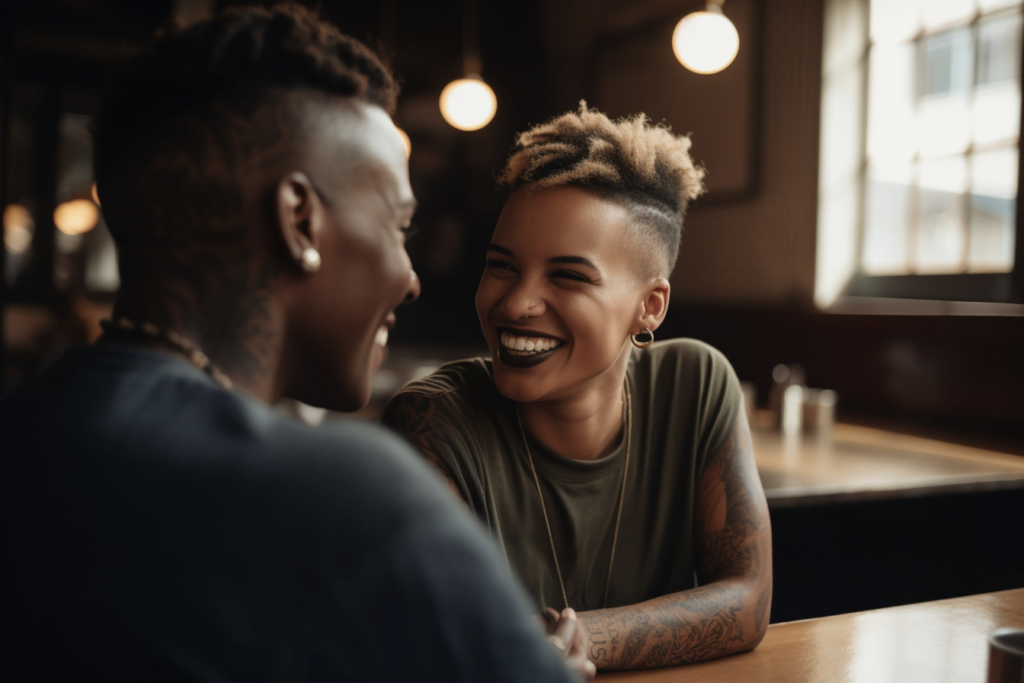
<point>1005,287</point>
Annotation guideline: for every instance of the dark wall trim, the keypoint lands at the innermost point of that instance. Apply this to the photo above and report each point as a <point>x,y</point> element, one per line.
<point>994,287</point>
<point>964,372</point>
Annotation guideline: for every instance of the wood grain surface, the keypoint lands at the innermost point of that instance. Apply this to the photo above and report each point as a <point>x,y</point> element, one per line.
<point>860,463</point>
<point>938,642</point>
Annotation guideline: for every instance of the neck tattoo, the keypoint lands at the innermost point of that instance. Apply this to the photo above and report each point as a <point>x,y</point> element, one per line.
<point>121,325</point>
<point>618,516</point>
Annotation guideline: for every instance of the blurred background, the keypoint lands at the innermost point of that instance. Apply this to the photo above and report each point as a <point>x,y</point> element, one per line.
<point>860,235</point>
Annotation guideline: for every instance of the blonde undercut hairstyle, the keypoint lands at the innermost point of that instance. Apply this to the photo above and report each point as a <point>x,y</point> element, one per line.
<point>645,168</point>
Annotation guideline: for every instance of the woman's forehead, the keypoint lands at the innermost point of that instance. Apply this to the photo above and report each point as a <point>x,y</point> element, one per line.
<point>566,220</point>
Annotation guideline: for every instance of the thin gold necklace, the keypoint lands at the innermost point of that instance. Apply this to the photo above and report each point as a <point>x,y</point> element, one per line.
<point>618,516</point>
<point>170,338</point>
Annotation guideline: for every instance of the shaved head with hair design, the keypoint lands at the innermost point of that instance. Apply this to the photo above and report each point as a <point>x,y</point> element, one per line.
<point>644,167</point>
<point>225,150</point>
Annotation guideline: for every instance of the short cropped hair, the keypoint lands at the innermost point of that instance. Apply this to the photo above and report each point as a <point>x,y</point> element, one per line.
<point>185,127</point>
<point>644,167</point>
<point>235,60</point>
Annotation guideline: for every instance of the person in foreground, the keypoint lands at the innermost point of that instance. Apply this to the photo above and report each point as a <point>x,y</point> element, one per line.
<point>616,473</point>
<point>161,522</point>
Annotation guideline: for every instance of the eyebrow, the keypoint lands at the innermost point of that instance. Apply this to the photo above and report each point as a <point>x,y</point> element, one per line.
<point>501,250</point>
<point>578,260</point>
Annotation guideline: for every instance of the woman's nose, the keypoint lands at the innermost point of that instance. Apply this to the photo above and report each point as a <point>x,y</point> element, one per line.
<point>521,302</point>
<point>414,288</point>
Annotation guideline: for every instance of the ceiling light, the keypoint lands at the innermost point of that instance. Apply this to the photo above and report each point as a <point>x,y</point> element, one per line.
<point>468,103</point>
<point>76,216</point>
<point>706,42</point>
<point>405,141</point>
<point>18,228</point>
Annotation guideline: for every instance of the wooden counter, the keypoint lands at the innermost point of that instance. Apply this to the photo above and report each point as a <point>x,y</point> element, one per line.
<point>861,463</point>
<point>936,642</point>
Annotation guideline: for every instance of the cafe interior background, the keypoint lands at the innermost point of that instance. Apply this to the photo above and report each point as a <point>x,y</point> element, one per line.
<point>858,257</point>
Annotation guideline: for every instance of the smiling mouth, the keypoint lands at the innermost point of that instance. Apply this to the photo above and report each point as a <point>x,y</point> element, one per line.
<point>523,350</point>
<point>380,339</point>
<point>522,345</point>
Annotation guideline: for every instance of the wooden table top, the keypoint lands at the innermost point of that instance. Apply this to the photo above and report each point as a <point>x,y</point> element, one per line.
<point>862,463</point>
<point>938,642</point>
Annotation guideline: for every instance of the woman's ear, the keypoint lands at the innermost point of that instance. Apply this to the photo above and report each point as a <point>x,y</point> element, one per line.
<point>655,306</point>
<point>299,214</point>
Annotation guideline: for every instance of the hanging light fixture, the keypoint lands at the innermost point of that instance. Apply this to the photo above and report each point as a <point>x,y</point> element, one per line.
<point>406,142</point>
<point>706,42</point>
<point>469,103</point>
<point>76,217</point>
<point>18,228</point>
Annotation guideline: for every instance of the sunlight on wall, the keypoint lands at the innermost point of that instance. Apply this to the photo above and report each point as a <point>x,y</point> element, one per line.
<point>841,136</point>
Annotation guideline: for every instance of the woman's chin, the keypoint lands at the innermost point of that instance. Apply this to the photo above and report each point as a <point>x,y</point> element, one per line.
<point>517,388</point>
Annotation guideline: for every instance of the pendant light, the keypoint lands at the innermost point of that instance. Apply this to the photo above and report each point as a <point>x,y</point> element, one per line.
<point>76,216</point>
<point>468,103</point>
<point>706,42</point>
<point>406,142</point>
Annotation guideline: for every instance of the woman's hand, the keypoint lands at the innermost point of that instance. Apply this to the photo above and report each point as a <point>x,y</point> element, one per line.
<point>567,635</point>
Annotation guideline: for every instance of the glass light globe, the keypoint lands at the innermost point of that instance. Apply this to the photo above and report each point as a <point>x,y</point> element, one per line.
<point>705,42</point>
<point>76,217</point>
<point>405,141</point>
<point>468,103</point>
<point>18,227</point>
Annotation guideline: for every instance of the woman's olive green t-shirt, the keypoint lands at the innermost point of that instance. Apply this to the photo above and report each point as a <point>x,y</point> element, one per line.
<point>685,401</point>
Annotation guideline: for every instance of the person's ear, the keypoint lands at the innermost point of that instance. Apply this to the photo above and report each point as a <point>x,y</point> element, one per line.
<point>300,218</point>
<point>655,307</point>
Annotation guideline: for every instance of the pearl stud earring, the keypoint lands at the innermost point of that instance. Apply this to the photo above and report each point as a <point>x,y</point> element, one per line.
<point>310,260</point>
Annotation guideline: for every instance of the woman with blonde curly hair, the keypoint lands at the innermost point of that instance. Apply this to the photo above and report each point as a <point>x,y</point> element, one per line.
<point>616,473</point>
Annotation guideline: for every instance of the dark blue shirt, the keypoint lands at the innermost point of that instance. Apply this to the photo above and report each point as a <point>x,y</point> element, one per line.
<point>158,527</point>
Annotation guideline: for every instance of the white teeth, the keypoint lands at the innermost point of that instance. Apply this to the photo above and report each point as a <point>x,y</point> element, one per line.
<point>382,337</point>
<point>527,344</point>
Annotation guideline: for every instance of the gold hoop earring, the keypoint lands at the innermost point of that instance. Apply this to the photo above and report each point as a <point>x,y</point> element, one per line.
<point>643,338</point>
<point>310,260</point>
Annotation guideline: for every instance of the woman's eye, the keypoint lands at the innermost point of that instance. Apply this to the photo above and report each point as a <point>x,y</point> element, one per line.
<point>501,265</point>
<point>571,275</point>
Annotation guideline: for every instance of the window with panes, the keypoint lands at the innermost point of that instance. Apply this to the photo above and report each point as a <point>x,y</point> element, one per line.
<point>942,140</point>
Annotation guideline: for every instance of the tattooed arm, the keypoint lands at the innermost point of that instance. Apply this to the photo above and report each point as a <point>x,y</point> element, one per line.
<point>728,612</point>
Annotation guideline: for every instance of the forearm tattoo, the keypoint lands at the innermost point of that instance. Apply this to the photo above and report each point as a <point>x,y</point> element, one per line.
<point>729,612</point>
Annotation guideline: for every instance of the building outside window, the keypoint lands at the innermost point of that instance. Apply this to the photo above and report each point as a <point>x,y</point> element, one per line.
<point>921,119</point>
<point>943,127</point>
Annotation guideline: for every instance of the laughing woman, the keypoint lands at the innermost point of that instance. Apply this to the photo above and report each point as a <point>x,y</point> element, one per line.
<point>616,473</point>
